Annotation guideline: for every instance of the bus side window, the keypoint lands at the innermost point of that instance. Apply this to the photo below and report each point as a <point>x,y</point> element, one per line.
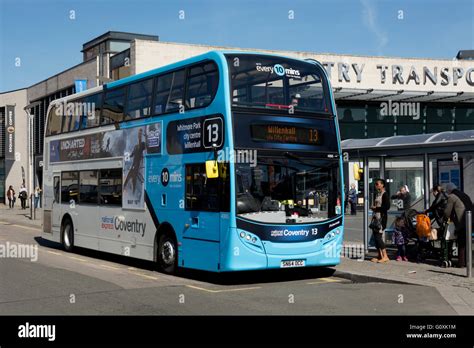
<point>110,187</point>
<point>66,122</point>
<point>169,92</point>
<point>114,102</point>
<point>201,85</point>
<point>88,180</point>
<point>69,187</point>
<point>56,189</point>
<point>139,99</point>
<point>91,114</point>
<point>77,115</point>
<point>54,122</point>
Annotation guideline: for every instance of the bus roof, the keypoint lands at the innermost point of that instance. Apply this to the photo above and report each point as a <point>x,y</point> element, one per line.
<point>215,54</point>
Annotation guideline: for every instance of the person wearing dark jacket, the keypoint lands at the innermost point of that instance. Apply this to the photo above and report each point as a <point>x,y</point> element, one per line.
<point>437,209</point>
<point>458,204</point>
<point>380,209</point>
<point>352,198</point>
<point>404,196</point>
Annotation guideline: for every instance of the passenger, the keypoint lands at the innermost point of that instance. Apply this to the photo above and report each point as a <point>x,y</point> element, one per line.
<point>399,238</point>
<point>352,198</point>
<point>295,100</point>
<point>437,209</point>
<point>457,205</point>
<point>404,196</point>
<point>23,196</point>
<point>380,209</point>
<point>11,197</point>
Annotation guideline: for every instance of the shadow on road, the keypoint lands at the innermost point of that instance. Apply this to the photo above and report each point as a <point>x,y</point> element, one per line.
<point>233,278</point>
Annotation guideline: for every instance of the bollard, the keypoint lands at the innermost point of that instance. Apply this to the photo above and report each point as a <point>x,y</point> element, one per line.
<point>31,207</point>
<point>469,244</point>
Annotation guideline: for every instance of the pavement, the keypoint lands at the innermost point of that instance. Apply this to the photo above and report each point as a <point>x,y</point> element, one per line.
<point>450,283</point>
<point>17,215</point>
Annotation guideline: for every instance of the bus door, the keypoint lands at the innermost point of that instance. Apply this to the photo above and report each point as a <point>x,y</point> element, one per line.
<point>202,226</point>
<point>56,206</point>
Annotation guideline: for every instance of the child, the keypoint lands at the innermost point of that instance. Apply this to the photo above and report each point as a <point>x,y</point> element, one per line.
<point>399,237</point>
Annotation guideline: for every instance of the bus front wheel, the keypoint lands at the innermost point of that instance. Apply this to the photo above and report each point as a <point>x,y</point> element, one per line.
<point>68,235</point>
<point>167,254</point>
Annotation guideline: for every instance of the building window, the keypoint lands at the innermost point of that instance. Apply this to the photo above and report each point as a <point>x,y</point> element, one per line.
<point>169,92</point>
<point>118,46</point>
<point>139,99</point>
<point>409,129</point>
<point>69,187</point>
<point>88,180</point>
<point>464,117</point>
<point>112,110</point>
<point>351,121</point>
<point>120,72</point>
<point>110,187</point>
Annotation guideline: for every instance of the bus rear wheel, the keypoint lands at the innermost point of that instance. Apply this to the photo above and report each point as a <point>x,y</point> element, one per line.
<point>167,254</point>
<point>67,235</point>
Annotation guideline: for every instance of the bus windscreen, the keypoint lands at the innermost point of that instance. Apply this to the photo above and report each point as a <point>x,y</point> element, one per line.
<point>276,83</point>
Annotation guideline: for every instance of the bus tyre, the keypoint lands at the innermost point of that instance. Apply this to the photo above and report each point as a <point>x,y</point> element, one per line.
<point>67,237</point>
<point>167,254</point>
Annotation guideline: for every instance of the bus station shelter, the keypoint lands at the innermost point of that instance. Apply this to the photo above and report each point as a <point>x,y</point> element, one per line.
<point>418,161</point>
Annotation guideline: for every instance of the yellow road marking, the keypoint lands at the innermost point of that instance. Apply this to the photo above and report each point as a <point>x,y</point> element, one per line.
<point>53,252</point>
<point>325,280</point>
<point>225,290</point>
<point>77,258</point>
<point>111,267</point>
<point>29,228</point>
<point>144,275</point>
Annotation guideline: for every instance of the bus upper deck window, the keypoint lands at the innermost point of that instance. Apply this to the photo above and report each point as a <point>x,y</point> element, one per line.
<point>114,102</point>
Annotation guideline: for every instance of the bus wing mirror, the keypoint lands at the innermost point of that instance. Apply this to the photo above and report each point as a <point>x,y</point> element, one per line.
<point>212,170</point>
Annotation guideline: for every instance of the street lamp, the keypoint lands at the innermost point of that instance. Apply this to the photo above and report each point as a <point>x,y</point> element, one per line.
<point>31,118</point>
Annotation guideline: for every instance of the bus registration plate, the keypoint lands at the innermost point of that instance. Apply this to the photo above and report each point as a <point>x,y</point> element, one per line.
<point>292,263</point>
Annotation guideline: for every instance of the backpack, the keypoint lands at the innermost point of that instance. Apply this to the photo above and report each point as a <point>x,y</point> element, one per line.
<point>423,225</point>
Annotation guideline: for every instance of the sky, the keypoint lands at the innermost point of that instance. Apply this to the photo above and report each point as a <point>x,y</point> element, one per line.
<point>40,38</point>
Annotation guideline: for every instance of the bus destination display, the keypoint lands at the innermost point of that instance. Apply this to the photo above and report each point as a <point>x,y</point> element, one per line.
<point>279,133</point>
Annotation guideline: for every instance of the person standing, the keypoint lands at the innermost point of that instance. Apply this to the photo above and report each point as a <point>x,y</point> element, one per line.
<point>380,209</point>
<point>11,197</point>
<point>23,194</point>
<point>352,197</point>
<point>399,238</point>
<point>37,197</point>
<point>404,196</point>
<point>458,204</point>
<point>437,209</point>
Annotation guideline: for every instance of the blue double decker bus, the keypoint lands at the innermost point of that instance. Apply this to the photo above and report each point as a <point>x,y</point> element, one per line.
<point>222,162</point>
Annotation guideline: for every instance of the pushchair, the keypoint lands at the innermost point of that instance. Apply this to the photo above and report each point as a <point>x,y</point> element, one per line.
<point>419,248</point>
